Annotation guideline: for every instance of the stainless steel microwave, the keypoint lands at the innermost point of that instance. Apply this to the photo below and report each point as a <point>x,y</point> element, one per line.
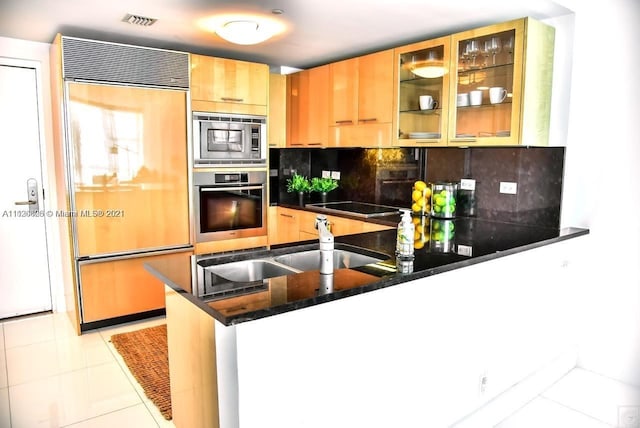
<point>229,139</point>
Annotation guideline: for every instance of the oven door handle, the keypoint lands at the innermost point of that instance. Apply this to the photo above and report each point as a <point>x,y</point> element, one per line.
<point>223,189</point>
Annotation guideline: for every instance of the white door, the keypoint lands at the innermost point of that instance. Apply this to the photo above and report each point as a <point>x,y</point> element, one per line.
<point>24,270</point>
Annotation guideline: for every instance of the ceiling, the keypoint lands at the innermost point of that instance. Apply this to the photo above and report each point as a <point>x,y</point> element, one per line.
<point>318,31</point>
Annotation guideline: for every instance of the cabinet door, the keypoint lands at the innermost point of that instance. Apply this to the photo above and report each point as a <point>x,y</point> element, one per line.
<point>318,101</point>
<point>494,104</point>
<point>422,73</point>
<point>375,87</point>
<point>343,87</point>
<point>287,227</point>
<point>228,81</point>
<point>277,119</point>
<point>344,226</point>
<point>308,92</point>
<point>122,287</point>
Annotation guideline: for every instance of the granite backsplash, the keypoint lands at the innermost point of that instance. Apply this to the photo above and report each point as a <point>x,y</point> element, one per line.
<point>385,176</point>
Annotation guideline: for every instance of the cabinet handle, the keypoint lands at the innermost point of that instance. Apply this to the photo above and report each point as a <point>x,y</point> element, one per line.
<point>371,119</point>
<point>296,144</point>
<point>463,140</point>
<point>344,121</point>
<point>287,215</point>
<point>239,100</point>
<point>315,144</point>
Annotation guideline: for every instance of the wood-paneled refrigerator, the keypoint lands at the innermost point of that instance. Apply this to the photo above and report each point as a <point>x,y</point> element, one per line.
<point>125,150</point>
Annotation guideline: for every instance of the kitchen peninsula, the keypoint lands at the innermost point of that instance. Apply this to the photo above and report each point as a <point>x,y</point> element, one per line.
<point>389,345</point>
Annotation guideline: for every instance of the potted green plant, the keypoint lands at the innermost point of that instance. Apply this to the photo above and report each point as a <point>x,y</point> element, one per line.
<point>323,186</point>
<point>299,184</point>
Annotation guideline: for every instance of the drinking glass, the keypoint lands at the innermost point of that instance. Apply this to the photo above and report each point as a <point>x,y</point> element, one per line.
<point>464,56</point>
<point>495,46</point>
<point>485,50</point>
<point>473,49</point>
<point>508,46</point>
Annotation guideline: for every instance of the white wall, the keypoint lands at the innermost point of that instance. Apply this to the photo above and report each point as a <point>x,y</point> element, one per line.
<point>411,355</point>
<point>39,53</point>
<point>602,175</point>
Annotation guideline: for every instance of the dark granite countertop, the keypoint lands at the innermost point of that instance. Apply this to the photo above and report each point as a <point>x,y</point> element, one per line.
<point>468,241</point>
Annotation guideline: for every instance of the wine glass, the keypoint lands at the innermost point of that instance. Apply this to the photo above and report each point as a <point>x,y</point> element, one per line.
<point>508,46</point>
<point>495,46</point>
<point>473,49</point>
<point>485,50</point>
<point>464,56</point>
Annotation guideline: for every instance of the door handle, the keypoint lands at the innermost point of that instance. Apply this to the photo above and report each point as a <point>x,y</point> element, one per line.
<point>32,196</point>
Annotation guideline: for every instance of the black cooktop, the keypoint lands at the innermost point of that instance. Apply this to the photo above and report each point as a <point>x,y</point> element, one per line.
<point>361,209</point>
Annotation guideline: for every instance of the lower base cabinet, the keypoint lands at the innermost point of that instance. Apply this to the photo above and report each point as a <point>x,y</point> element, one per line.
<point>192,360</point>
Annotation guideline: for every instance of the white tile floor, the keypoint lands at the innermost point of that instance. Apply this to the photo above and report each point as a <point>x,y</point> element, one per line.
<point>49,377</point>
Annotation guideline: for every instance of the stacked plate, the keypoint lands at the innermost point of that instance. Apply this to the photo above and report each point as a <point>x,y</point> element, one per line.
<point>423,135</point>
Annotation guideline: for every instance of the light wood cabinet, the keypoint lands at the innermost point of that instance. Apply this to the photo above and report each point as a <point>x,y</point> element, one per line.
<point>308,107</point>
<point>229,86</point>
<point>284,225</point>
<point>277,120</point>
<point>513,59</point>
<point>361,101</point>
<point>121,287</point>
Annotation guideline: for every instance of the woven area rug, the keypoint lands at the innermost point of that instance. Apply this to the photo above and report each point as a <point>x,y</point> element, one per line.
<point>145,353</point>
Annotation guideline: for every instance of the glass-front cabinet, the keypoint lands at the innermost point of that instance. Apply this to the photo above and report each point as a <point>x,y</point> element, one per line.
<point>501,84</point>
<point>487,86</point>
<point>423,93</point>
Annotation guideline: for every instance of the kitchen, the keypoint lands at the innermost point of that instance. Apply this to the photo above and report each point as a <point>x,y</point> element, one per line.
<point>607,354</point>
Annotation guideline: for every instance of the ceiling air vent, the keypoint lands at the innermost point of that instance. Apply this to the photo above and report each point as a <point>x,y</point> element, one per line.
<point>138,20</point>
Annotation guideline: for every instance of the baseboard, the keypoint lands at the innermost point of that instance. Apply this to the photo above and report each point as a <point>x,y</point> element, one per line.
<point>507,403</point>
<point>120,320</point>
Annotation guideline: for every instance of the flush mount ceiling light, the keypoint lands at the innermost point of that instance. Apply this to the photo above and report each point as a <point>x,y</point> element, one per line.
<point>243,29</point>
<point>243,32</point>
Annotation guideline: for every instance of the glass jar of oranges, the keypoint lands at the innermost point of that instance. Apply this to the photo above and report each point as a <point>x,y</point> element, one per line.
<point>443,200</point>
<point>421,198</point>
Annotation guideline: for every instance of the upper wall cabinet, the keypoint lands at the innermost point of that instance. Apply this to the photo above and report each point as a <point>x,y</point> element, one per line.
<point>277,119</point>
<point>308,107</point>
<point>228,86</point>
<point>361,100</point>
<point>501,79</point>
<point>423,93</point>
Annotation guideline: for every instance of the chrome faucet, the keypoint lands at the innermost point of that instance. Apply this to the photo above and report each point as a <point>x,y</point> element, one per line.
<point>326,244</point>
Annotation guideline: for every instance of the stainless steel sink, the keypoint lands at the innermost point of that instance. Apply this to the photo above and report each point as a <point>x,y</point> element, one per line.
<point>250,270</point>
<point>310,260</point>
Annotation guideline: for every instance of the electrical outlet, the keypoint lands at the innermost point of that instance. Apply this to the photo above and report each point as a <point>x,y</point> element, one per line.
<point>467,184</point>
<point>326,174</point>
<point>335,175</point>
<point>508,187</point>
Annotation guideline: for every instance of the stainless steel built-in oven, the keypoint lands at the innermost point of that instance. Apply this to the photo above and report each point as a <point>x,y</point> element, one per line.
<point>229,139</point>
<point>229,205</point>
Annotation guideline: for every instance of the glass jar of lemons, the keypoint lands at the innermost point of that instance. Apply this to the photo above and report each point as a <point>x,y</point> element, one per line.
<point>420,198</point>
